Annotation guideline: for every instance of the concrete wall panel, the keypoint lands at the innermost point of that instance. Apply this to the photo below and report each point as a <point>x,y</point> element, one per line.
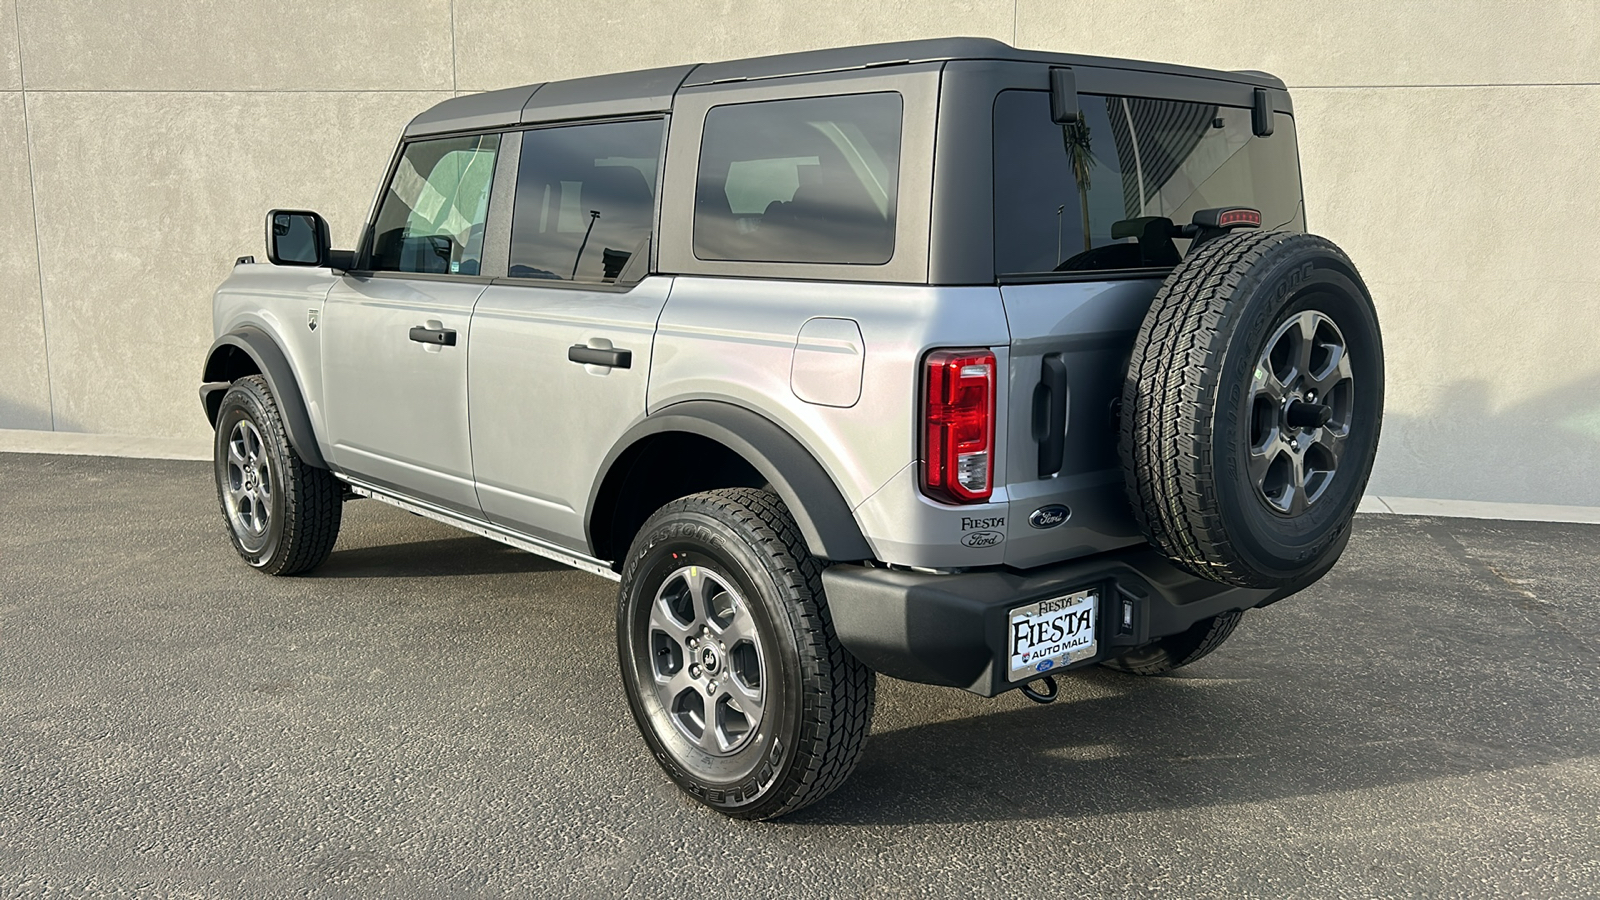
<point>86,45</point>
<point>146,199</point>
<point>1448,145</point>
<point>1476,236</point>
<point>10,55</point>
<point>24,384</point>
<point>501,43</point>
<point>1363,42</point>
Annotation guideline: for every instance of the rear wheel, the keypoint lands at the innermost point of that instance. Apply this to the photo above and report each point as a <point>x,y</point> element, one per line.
<point>282,514</point>
<point>731,665</point>
<point>1165,654</point>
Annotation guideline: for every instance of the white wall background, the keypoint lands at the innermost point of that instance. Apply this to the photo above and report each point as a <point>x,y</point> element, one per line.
<point>1453,148</point>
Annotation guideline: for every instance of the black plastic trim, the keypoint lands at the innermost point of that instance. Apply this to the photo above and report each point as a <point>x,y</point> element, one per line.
<point>1262,113</point>
<point>950,630</point>
<point>1050,414</point>
<point>819,509</point>
<point>595,356</point>
<point>444,337</point>
<point>263,349</point>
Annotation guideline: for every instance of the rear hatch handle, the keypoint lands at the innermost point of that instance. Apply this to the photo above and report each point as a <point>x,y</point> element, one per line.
<point>1050,414</point>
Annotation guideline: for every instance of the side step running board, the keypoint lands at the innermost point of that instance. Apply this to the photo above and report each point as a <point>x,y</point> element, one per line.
<point>492,532</point>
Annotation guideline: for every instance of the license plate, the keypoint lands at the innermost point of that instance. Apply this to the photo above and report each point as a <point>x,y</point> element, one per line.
<point>1052,633</point>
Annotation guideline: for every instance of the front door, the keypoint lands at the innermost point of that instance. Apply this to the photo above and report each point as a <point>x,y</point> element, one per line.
<point>561,349</point>
<point>396,333</point>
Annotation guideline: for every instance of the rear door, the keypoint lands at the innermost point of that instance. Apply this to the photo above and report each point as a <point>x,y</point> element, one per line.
<point>561,349</point>
<point>1079,262</point>
<point>396,332</point>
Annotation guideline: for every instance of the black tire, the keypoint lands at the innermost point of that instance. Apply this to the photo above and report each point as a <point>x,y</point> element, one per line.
<point>1206,438</point>
<point>1173,651</point>
<point>815,701</point>
<point>297,506</point>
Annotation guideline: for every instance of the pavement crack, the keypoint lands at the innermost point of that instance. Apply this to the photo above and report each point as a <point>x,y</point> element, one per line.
<point>1526,601</point>
<point>1483,567</point>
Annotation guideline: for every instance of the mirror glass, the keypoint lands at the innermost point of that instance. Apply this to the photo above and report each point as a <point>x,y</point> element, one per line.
<point>294,238</point>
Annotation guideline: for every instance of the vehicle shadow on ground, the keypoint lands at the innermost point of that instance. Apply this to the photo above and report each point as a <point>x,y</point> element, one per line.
<point>443,557</point>
<point>1172,744</point>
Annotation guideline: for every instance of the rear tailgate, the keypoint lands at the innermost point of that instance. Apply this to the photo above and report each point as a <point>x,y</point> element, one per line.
<point>1083,331</point>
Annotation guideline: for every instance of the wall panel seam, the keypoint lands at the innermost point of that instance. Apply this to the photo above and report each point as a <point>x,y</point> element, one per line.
<point>1403,87</point>
<point>239,91</point>
<point>33,208</point>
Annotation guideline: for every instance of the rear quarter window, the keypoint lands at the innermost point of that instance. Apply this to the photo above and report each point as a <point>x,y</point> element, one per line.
<point>1068,198</point>
<point>813,180</point>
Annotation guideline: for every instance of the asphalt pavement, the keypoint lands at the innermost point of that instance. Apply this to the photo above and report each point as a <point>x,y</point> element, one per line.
<point>432,714</point>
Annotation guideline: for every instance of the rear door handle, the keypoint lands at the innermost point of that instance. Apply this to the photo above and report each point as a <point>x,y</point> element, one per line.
<point>443,336</point>
<point>595,356</point>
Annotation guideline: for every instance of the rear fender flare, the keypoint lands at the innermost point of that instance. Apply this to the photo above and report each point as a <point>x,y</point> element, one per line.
<point>274,366</point>
<point>819,509</point>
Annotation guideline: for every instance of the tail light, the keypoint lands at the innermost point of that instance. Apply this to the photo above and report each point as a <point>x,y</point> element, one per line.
<point>958,425</point>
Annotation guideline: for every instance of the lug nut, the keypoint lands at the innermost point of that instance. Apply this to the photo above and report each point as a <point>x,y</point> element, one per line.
<point>722,645</point>
<point>694,671</point>
<point>692,642</point>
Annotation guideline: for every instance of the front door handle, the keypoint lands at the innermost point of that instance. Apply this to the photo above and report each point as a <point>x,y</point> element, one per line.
<point>442,336</point>
<point>595,356</point>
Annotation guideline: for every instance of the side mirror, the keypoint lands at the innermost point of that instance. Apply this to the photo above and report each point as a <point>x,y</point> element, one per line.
<point>297,237</point>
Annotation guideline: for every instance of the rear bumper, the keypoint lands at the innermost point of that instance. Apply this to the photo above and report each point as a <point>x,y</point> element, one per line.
<point>951,629</point>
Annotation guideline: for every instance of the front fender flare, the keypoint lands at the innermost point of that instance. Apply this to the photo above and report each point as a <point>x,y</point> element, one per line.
<point>274,366</point>
<point>819,509</point>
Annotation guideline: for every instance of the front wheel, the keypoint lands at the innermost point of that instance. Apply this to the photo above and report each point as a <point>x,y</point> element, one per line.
<point>282,514</point>
<point>731,665</point>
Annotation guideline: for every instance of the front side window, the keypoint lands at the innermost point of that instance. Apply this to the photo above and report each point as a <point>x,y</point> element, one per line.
<point>585,200</point>
<point>432,216</point>
<point>800,181</point>
<point>1100,194</point>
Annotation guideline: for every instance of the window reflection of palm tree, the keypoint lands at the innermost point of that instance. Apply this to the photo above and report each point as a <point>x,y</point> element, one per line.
<point>1076,138</point>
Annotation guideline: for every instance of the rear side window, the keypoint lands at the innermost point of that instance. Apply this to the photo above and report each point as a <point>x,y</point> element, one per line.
<point>585,200</point>
<point>432,216</point>
<point>1089,197</point>
<point>800,181</point>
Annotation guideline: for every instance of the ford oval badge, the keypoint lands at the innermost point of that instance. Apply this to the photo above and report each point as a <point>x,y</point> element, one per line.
<point>982,539</point>
<point>1049,516</point>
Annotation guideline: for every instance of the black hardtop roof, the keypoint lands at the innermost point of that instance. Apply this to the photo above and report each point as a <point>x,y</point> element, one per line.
<point>652,90</point>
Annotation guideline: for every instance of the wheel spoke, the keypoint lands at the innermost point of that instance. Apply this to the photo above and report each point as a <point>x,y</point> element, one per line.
<point>1261,462</point>
<point>1266,382</point>
<point>1305,332</point>
<point>1333,442</point>
<point>675,684</point>
<point>664,617</point>
<point>749,699</point>
<point>1324,382</point>
<point>1297,484</point>
<point>742,628</point>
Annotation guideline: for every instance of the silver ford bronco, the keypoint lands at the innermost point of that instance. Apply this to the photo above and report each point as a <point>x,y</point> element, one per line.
<point>943,360</point>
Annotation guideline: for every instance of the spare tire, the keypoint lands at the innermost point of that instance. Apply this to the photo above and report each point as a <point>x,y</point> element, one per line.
<point>1251,409</point>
